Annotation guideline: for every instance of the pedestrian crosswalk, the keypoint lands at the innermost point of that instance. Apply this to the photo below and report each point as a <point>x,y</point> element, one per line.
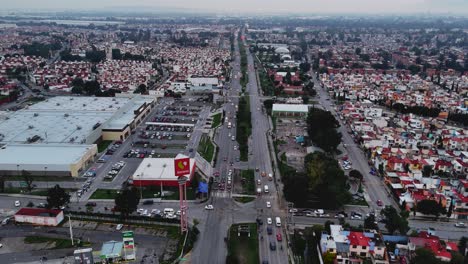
<point>221,194</point>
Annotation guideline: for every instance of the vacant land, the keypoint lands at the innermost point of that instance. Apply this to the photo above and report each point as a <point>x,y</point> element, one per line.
<point>243,249</point>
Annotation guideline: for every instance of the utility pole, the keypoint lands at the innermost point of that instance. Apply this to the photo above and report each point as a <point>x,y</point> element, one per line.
<point>71,230</point>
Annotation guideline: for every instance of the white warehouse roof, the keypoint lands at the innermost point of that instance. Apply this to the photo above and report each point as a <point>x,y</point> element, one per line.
<point>294,108</point>
<point>157,169</point>
<point>34,157</point>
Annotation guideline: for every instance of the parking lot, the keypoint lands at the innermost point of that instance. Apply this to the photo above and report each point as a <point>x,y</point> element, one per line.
<point>173,127</point>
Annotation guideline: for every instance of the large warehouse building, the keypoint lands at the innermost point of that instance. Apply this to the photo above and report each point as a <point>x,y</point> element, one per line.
<point>57,136</point>
<point>157,171</point>
<point>290,110</point>
<point>46,159</point>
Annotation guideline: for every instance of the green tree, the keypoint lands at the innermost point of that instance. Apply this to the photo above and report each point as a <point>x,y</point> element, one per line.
<point>57,197</point>
<point>424,255</point>
<point>326,180</point>
<point>116,55</point>
<point>126,202</point>
<point>370,223</point>
<point>141,89</point>
<point>28,179</point>
<point>329,258</point>
<point>304,67</point>
<point>77,90</point>
<point>427,171</point>
<point>381,169</point>
<point>356,174</point>
<point>430,207</point>
<point>295,189</point>
<point>457,258</point>
<point>462,243</point>
<point>450,209</point>
<point>358,51</point>
<point>394,221</point>
<point>322,126</point>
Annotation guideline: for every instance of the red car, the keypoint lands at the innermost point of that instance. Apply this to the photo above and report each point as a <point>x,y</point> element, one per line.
<point>279,237</point>
<point>379,203</point>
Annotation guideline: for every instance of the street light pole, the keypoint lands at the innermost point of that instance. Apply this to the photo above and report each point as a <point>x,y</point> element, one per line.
<point>71,230</point>
<point>45,175</point>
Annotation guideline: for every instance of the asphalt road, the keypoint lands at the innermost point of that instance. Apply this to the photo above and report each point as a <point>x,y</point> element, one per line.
<point>147,244</point>
<point>373,185</point>
<point>211,247</point>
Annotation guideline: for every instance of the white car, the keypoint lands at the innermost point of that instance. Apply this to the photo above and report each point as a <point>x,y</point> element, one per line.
<point>17,203</point>
<point>209,207</point>
<point>140,211</point>
<point>171,216</point>
<point>155,211</point>
<point>460,225</point>
<point>119,227</point>
<point>269,221</point>
<point>268,204</point>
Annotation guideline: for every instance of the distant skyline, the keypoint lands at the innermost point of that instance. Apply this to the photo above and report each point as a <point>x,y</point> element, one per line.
<point>252,6</point>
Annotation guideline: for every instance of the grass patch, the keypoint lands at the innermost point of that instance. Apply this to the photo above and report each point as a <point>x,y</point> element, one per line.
<point>206,148</point>
<point>37,192</point>
<point>216,120</point>
<point>244,199</point>
<point>248,181</point>
<point>244,127</point>
<point>243,249</point>
<point>44,178</point>
<point>103,145</point>
<point>59,243</point>
<point>104,194</point>
<point>244,80</point>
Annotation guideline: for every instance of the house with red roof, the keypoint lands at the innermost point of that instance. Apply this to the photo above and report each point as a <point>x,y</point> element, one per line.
<point>431,242</point>
<point>443,165</point>
<point>358,244</point>
<point>39,216</point>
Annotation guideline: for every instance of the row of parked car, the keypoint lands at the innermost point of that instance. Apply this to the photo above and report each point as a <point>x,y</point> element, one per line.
<point>85,187</point>
<point>115,170</point>
<point>168,128</point>
<point>111,149</point>
<point>137,153</point>
<point>158,136</point>
<point>179,113</point>
<point>168,213</point>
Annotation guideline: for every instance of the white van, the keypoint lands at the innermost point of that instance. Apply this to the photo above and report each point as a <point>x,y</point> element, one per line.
<point>278,221</point>
<point>265,188</point>
<point>168,211</point>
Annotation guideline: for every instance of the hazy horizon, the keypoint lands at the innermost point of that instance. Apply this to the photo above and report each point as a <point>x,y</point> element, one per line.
<point>254,6</point>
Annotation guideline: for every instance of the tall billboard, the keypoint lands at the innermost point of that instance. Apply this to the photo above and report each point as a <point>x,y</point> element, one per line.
<point>129,245</point>
<point>182,166</point>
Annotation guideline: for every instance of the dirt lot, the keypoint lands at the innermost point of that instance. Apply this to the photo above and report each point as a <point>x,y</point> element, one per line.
<point>286,131</point>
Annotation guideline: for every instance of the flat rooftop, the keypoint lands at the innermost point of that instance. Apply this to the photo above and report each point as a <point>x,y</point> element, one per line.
<point>56,157</point>
<point>157,169</point>
<point>291,108</point>
<point>71,120</point>
<point>80,103</point>
<point>51,126</point>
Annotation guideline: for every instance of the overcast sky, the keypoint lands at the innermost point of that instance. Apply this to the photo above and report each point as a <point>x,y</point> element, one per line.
<point>268,6</point>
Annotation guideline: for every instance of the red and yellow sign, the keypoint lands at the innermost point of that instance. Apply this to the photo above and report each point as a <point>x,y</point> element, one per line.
<point>182,166</point>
